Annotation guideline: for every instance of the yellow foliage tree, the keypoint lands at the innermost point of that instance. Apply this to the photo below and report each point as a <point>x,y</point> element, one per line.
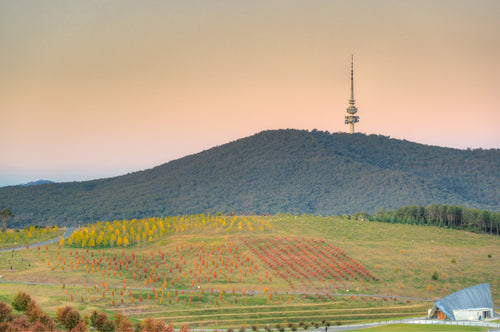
<point>100,238</point>
<point>112,239</point>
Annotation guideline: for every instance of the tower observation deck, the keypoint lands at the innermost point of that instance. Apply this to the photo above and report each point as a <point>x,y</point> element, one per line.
<point>351,119</point>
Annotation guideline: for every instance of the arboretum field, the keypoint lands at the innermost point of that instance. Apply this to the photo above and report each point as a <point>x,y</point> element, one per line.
<point>231,271</point>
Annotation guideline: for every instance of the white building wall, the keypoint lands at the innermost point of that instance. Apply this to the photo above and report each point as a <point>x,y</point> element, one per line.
<point>471,314</point>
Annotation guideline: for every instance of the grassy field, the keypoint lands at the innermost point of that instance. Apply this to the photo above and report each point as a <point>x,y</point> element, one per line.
<point>13,238</point>
<point>295,269</point>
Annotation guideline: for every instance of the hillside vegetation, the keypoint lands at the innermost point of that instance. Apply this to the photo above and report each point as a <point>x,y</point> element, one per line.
<point>231,271</point>
<point>271,172</point>
<point>458,217</point>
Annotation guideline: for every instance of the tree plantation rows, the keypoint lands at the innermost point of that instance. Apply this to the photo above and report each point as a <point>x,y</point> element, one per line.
<point>452,216</point>
<point>245,265</point>
<point>127,232</point>
<point>231,272</point>
<point>302,260</point>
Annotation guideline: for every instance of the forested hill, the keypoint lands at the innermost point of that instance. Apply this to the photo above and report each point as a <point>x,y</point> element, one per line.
<point>275,171</point>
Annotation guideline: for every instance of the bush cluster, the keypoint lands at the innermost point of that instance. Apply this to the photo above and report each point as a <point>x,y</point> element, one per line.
<point>32,318</point>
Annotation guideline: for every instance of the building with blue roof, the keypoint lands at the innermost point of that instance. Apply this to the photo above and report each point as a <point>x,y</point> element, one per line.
<point>473,303</point>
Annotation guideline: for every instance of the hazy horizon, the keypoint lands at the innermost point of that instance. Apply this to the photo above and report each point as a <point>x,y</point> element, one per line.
<point>95,89</point>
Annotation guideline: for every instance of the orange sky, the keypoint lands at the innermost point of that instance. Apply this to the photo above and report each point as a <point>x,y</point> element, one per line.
<point>99,88</point>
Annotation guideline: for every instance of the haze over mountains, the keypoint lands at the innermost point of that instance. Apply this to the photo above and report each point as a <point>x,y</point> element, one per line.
<point>37,182</point>
<point>274,171</point>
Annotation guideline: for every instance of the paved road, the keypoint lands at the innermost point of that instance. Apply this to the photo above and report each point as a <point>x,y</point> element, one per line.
<point>66,235</point>
<point>418,321</point>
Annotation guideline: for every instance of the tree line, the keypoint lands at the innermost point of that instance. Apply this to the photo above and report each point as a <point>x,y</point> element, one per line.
<point>452,216</point>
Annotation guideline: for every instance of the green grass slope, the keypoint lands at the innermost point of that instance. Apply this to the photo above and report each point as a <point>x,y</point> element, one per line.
<point>170,275</point>
<point>275,171</point>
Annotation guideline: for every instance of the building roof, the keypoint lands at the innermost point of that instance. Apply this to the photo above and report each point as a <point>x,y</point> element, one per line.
<point>474,297</point>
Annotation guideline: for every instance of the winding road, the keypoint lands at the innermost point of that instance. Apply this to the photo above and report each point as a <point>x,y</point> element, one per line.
<point>66,235</point>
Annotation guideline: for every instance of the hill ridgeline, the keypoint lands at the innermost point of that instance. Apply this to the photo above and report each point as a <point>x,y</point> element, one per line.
<point>274,171</point>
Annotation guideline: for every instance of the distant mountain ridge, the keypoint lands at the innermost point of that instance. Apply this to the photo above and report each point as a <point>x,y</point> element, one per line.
<point>31,183</point>
<point>294,171</point>
<point>37,183</point>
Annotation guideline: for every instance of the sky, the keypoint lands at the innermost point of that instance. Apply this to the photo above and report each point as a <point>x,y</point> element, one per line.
<point>98,88</point>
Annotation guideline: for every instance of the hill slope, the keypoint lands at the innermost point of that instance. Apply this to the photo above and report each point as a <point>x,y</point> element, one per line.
<point>275,171</point>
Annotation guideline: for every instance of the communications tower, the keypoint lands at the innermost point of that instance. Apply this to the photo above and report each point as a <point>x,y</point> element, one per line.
<point>351,119</point>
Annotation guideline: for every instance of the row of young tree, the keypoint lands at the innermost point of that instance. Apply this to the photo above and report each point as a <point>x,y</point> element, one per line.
<point>30,317</point>
<point>452,216</point>
<point>122,233</point>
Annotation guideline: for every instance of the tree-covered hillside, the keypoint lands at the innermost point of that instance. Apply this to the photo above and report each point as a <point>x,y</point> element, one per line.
<point>275,171</point>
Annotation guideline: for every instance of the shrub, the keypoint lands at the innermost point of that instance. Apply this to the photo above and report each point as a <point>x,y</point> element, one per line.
<point>5,312</point>
<point>254,327</point>
<point>435,276</point>
<point>98,320</point>
<point>34,312</point>
<point>21,302</point>
<point>138,327</point>
<point>93,317</point>
<point>68,317</point>
<point>81,327</point>
<point>85,319</point>
<point>108,326</point>
<point>122,323</point>
<point>61,312</point>
<point>39,327</point>
<point>72,319</point>
<point>20,323</point>
<point>151,325</point>
<point>47,321</point>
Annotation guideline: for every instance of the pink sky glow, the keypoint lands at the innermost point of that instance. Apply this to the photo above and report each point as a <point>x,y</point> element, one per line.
<point>92,89</point>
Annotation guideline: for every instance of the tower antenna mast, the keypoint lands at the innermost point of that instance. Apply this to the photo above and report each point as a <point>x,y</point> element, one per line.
<point>351,119</point>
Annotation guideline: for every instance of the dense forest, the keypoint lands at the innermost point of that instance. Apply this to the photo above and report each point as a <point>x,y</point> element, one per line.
<point>294,171</point>
<point>451,216</point>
